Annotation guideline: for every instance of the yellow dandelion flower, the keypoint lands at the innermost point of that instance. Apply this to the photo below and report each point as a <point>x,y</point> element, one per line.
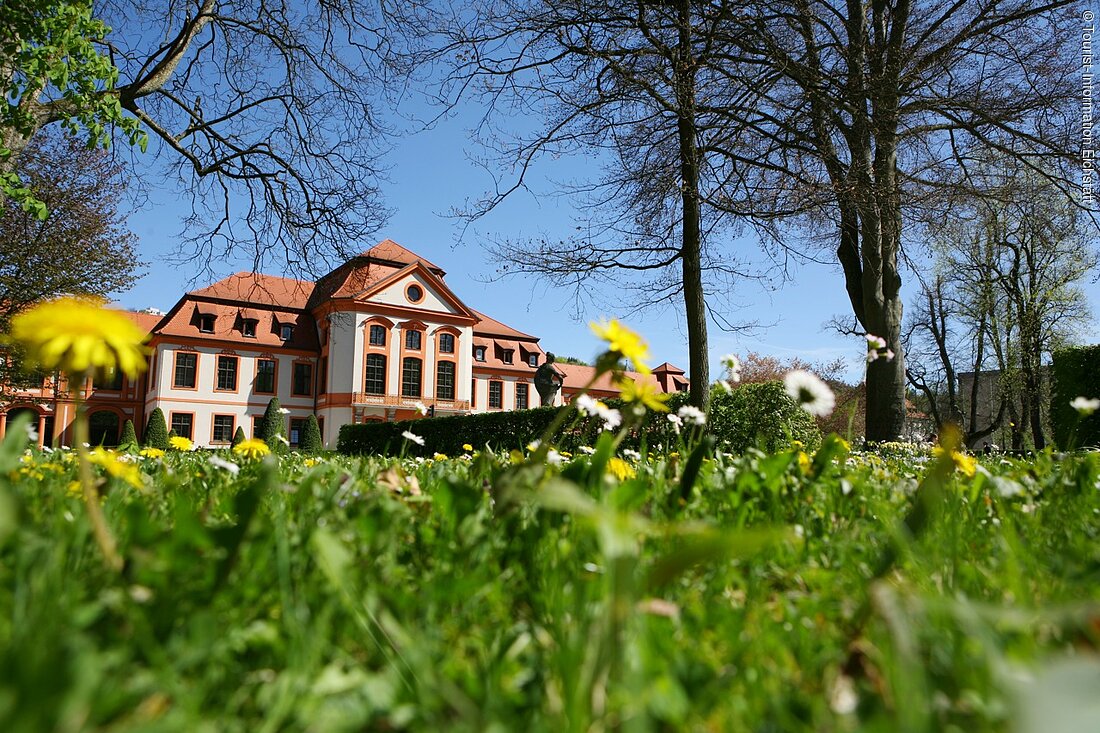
<point>620,469</point>
<point>310,462</point>
<point>804,462</point>
<point>117,468</point>
<point>467,447</point>
<point>252,448</point>
<point>79,334</point>
<point>439,457</point>
<point>967,465</point>
<point>644,392</point>
<point>515,456</point>
<point>178,442</point>
<point>624,342</point>
<point>75,489</point>
<point>151,453</point>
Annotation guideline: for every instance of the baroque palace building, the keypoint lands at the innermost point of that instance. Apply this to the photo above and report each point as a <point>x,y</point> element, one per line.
<point>366,342</point>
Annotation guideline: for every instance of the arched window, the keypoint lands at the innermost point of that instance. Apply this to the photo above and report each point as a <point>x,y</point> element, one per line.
<point>103,428</point>
<point>376,374</point>
<point>410,377</point>
<point>445,380</point>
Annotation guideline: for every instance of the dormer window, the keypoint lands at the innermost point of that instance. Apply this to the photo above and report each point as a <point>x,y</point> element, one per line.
<point>206,323</point>
<point>533,360</point>
<point>286,332</point>
<point>479,353</point>
<point>248,328</point>
<point>506,356</point>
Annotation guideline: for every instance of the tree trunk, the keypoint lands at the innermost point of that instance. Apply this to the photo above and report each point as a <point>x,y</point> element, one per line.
<point>695,309</point>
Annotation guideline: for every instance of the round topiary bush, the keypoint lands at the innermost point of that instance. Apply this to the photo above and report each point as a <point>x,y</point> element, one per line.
<point>760,415</point>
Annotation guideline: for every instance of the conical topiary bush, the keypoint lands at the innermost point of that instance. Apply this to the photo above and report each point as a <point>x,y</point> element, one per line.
<point>238,437</point>
<point>273,426</point>
<point>156,431</point>
<point>129,440</point>
<point>310,439</point>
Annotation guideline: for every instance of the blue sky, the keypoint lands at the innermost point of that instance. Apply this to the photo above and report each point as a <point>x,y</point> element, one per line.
<point>431,173</point>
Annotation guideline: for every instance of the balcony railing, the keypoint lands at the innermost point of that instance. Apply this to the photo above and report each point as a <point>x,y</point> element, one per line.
<point>362,399</point>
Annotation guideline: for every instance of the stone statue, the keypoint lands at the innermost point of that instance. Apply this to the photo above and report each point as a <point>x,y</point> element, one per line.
<point>548,381</point>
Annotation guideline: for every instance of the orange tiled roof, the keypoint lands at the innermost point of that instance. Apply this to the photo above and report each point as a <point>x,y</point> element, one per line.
<point>390,251</point>
<point>145,321</point>
<point>253,287</point>
<point>350,279</point>
<point>184,321</point>
<point>492,327</point>
<point>576,376</point>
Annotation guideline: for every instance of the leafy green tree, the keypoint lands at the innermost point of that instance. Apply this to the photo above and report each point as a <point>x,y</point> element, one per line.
<point>129,436</point>
<point>238,437</point>
<point>82,245</point>
<point>267,106</point>
<point>310,439</point>
<point>272,427</point>
<point>156,431</point>
<point>53,72</point>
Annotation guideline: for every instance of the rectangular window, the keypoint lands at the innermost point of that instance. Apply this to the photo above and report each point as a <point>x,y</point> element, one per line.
<point>446,343</point>
<point>479,353</point>
<point>184,373</point>
<point>110,379</point>
<point>206,323</point>
<point>323,376</point>
<point>375,382</point>
<point>297,425</point>
<point>521,396</point>
<point>412,340</point>
<point>303,379</point>
<point>248,328</point>
<point>496,395</point>
<point>227,374</point>
<point>473,393</point>
<point>533,360</point>
<point>265,376</point>
<point>377,335</point>
<point>286,332</point>
<point>182,424</point>
<point>223,429</point>
<point>257,425</point>
<point>507,356</point>
<point>410,377</point>
<point>445,380</point>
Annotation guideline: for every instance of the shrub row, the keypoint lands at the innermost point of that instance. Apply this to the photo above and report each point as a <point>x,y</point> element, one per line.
<point>1076,374</point>
<point>753,414</point>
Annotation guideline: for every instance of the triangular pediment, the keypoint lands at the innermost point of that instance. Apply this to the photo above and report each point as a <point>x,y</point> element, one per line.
<point>415,286</point>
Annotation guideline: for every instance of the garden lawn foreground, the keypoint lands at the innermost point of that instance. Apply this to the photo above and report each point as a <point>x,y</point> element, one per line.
<point>486,593</point>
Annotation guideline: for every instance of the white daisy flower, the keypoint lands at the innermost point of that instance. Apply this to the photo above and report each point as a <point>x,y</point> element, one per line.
<point>233,468</point>
<point>554,458</point>
<point>812,394</point>
<point>284,411</point>
<point>611,418</point>
<point>421,407</point>
<point>676,421</point>
<point>1084,405</point>
<point>408,435</point>
<point>692,415</point>
<point>586,404</point>
<point>733,365</point>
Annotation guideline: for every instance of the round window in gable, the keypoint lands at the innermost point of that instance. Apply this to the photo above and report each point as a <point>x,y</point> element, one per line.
<point>414,293</point>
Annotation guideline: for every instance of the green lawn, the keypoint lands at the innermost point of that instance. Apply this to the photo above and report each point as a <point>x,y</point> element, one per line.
<point>490,593</point>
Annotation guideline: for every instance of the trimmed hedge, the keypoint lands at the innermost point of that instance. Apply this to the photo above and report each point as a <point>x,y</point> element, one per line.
<point>754,414</point>
<point>1076,373</point>
<point>761,415</point>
